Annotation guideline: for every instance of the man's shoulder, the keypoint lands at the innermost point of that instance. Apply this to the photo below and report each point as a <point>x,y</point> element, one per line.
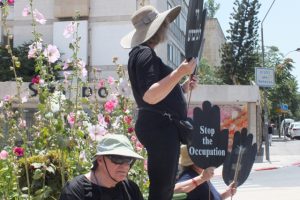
<point>75,188</point>
<point>77,184</point>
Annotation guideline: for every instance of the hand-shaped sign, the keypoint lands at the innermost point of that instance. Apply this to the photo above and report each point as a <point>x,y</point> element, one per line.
<point>239,161</point>
<point>194,29</point>
<point>208,144</point>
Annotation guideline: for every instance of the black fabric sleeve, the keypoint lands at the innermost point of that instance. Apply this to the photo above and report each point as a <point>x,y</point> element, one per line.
<point>134,191</point>
<point>72,191</point>
<point>147,70</point>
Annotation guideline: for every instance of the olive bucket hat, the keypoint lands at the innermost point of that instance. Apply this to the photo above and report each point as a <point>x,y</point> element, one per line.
<point>116,144</point>
<point>146,22</point>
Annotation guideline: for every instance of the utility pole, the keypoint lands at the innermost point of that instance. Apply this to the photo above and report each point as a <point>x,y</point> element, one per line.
<point>266,120</point>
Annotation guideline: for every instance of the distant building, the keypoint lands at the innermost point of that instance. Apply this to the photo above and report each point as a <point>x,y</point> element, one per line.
<point>102,25</point>
<point>214,39</point>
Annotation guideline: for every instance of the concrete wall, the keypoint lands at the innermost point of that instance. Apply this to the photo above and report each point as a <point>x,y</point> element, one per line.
<point>214,39</point>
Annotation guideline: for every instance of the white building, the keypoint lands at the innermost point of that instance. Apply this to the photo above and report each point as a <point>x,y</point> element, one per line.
<point>102,24</point>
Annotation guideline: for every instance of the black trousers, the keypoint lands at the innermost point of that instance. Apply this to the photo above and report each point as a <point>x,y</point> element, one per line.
<point>163,148</point>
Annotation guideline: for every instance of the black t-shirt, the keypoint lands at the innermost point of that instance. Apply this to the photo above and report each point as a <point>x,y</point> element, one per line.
<point>146,68</point>
<point>80,188</point>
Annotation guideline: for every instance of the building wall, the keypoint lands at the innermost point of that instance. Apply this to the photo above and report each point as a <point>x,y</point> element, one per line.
<point>214,39</point>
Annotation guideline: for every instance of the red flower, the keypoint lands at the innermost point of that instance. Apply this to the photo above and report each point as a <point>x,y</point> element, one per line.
<point>10,2</point>
<point>107,119</point>
<point>130,129</point>
<point>19,151</point>
<point>36,79</point>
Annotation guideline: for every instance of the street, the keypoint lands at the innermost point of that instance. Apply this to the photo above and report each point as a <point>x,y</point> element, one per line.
<point>275,180</point>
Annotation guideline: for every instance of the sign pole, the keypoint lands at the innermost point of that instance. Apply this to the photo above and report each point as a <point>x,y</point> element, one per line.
<point>266,134</point>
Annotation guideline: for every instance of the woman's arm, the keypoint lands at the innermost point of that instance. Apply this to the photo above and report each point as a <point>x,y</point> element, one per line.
<point>191,184</point>
<point>159,90</point>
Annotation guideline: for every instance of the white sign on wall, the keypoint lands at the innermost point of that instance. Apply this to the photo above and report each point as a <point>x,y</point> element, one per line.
<point>264,77</point>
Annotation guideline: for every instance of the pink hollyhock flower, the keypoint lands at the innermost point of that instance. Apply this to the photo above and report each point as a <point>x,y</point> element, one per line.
<point>70,29</point>
<point>133,138</point>
<point>110,105</point>
<point>18,151</point>
<point>3,155</point>
<point>71,118</point>
<point>10,2</point>
<point>26,11</point>
<point>127,119</point>
<point>7,98</point>
<point>110,80</point>
<point>52,53</point>
<point>36,79</point>
<point>96,132</point>
<point>101,83</point>
<point>39,17</point>
<point>138,146</point>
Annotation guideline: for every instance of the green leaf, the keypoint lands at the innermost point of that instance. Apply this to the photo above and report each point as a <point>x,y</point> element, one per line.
<point>37,174</point>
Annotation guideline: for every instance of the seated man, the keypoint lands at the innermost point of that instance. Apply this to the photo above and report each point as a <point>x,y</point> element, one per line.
<point>108,176</point>
<point>195,181</point>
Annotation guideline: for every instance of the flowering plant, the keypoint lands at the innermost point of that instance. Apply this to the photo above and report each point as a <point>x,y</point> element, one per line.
<point>70,118</point>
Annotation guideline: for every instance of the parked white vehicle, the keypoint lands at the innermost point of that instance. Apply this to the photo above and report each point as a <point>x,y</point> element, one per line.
<point>285,125</point>
<point>294,130</point>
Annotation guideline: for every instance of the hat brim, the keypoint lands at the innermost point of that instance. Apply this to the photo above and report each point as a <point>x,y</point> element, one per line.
<point>140,36</point>
<point>185,159</point>
<point>121,152</point>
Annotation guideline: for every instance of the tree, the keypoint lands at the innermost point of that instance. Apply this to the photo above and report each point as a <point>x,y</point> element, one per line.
<point>286,86</point>
<point>207,74</point>
<point>212,7</point>
<point>239,53</point>
<point>26,70</point>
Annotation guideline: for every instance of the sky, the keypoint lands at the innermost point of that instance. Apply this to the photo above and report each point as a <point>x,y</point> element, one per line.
<point>281,26</point>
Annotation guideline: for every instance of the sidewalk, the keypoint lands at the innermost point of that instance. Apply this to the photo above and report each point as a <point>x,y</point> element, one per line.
<point>276,159</point>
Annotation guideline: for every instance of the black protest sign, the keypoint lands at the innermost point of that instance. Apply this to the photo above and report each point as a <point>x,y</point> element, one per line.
<point>194,28</point>
<point>208,144</point>
<point>239,161</point>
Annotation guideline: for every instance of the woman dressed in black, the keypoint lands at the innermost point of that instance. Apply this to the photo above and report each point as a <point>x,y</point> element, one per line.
<point>156,90</point>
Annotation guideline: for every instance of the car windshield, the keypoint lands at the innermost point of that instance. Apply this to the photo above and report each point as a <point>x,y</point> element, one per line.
<point>297,125</point>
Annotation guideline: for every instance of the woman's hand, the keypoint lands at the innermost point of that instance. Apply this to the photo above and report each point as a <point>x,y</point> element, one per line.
<point>230,191</point>
<point>207,174</point>
<point>187,68</point>
<point>190,84</point>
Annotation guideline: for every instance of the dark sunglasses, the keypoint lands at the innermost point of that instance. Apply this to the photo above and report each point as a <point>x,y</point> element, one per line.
<point>119,160</point>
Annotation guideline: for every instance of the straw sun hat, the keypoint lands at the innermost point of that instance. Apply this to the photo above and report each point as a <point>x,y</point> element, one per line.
<point>146,22</point>
<point>185,159</point>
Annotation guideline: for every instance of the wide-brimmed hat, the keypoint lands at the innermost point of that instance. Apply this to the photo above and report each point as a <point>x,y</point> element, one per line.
<point>185,159</point>
<point>146,22</point>
<point>116,144</point>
